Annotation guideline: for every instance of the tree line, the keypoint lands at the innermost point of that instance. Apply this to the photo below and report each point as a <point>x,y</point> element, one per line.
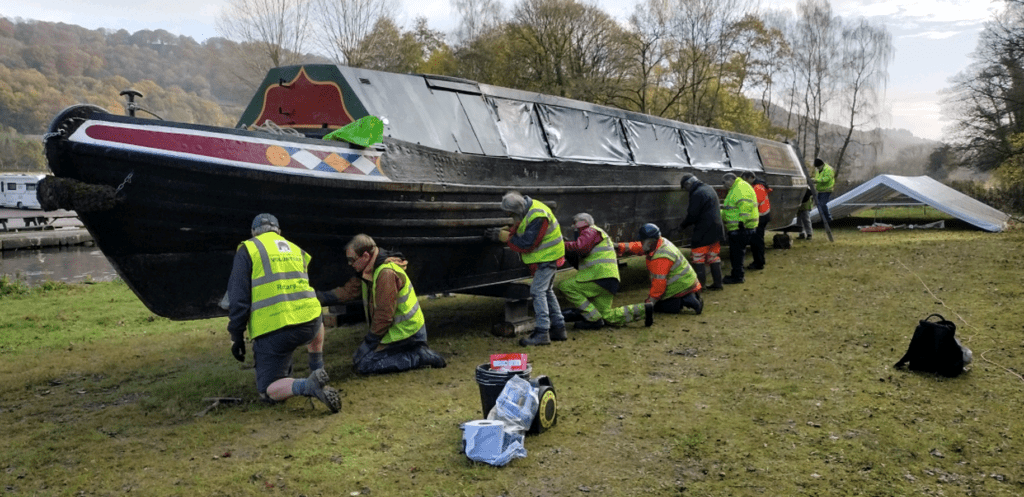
<point>716,63</point>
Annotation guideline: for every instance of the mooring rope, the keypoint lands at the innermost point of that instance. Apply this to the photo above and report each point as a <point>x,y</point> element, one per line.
<point>969,325</point>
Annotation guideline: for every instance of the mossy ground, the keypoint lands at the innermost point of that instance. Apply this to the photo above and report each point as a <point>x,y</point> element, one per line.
<point>783,386</point>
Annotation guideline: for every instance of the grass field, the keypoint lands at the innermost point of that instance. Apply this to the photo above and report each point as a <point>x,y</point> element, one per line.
<point>783,386</point>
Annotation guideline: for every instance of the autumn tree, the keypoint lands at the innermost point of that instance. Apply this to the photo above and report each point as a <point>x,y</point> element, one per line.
<point>565,48</point>
<point>986,101</point>
<point>816,60</point>
<point>271,33</point>
<point>646,46</point>
<point>475,18</point>
<point>865,55</point>
<point>387,48</point>
<point>342,26</point>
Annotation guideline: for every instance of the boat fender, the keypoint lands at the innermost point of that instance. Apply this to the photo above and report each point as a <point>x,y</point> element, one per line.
<point>67,193</point>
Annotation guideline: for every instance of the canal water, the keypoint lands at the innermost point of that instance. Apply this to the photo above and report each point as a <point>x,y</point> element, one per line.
<point>67,264</point>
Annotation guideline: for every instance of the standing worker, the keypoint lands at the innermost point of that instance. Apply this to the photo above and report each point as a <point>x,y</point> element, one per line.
<point>596,280</point>
<point>803,216</point>
<point>536,235</point>
<point>674,283</point>
<point>705,215</point>
<point>764,208</point>
<point>739,213</point>
<point>824,182</point>
<point>397,340</point>
<point>269,293</point>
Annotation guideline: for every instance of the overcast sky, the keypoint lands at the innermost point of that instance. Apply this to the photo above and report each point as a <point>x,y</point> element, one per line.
<point>933,38</point>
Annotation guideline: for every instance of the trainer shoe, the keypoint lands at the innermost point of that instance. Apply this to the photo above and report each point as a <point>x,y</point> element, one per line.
<point>317,387</point>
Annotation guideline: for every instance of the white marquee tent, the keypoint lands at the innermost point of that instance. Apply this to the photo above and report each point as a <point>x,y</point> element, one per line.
<point>888,190</point>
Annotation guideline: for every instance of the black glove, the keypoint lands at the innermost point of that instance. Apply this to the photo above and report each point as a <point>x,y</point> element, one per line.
<point>238,350</point>
<point>742,227</point>
<point>493,234</point>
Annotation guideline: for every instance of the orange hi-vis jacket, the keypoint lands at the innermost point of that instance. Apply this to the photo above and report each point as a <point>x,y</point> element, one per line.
<point>764,206</point>
<point>669,269</point>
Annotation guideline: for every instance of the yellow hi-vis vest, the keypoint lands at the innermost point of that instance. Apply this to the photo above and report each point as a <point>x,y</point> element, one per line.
<point>281,295</point>
<point>600,262</point>
<point>551,247</point>
<point>408,316</point>
<point>680,276</point>
<point>740,206</point>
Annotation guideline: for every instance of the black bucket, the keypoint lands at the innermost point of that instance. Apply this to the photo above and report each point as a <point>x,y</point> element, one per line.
<point>492,382</point>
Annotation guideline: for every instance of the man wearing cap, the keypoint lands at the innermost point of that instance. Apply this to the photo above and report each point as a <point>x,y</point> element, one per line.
<point>269,293</point>
<point>397,340</point>
<point>537,237</point>
<point>824,182</point>
<point>596,280</point>
<point>704,213</point>
<point>674,283</point>
<point>739,214</point>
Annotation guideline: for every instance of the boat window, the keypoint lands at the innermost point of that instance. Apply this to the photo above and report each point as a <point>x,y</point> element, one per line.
<point>655,145</point>
<point>779,158</point>
<point>705,151</point>
<point>519,129</point>
<point>583,136</point>
<point>743,154</point>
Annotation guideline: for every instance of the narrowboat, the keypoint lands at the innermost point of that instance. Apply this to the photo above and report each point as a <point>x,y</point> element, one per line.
<point>169,202</point>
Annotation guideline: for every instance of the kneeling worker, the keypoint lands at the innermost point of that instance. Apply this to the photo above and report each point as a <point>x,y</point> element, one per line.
<point>597,280</point>
<point>674,283</point>
<point>269,292</point>
<point>397,340</point>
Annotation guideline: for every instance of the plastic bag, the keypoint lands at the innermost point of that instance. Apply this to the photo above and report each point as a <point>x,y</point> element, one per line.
<point>516,406</point>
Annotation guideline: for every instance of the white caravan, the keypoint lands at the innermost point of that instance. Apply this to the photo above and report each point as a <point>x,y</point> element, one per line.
<point>19,190</point>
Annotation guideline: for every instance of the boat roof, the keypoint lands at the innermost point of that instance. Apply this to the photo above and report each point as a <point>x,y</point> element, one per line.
<point>463,116</point>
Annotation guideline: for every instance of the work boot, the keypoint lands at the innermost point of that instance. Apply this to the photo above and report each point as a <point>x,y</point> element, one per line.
<point>755,267</point>
<point>809,237</point>
<point>538,337</point>
<point>572,315</point>
<point>558,334</point>
<point>731,280</point>
<point>589,325</point>
<point>699,270</point>
<point>316,386</point>
<point>716,276</point>
<point>430,359</point>
<point>648,314</point>
<point>695,302</point>
<point>801,236</point>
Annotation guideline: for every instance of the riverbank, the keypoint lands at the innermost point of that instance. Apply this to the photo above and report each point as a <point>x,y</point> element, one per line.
<point>24,229</point>
<point>45,238</point>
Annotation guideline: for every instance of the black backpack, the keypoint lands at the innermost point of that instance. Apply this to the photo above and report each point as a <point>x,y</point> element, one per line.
<point>934,348</point>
